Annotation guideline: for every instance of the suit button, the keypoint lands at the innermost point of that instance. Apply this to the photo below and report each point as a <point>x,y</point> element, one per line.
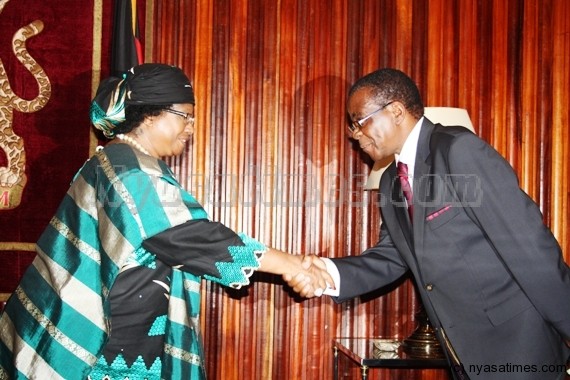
<point>429,287</point>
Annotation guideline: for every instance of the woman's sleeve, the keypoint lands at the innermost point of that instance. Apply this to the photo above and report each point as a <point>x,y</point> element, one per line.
<point>208,249</point>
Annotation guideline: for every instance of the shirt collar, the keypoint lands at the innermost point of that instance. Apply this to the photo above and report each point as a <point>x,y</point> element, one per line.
<point>408,153</point>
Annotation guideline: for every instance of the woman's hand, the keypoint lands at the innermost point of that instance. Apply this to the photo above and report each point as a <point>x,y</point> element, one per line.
<point>307,275</point>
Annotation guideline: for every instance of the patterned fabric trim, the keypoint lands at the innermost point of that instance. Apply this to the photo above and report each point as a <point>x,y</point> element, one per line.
<point>246,259</point>
<point>144,258</point>
<point>120,188</point>
<point>183,355</point>
<point>158,326</point>
<point>119,370</point>
<point>81,246</point>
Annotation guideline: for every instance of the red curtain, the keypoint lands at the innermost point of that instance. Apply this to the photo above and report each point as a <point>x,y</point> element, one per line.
<point>45,133</point>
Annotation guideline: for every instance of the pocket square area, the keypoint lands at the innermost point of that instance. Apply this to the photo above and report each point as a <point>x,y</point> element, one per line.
<point>437,213</point>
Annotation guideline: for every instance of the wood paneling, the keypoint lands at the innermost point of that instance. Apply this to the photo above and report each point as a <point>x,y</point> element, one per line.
<point>270,156</point>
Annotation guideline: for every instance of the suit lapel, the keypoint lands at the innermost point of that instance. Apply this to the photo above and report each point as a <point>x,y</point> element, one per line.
<point>396,208</point>
<point>421,184</point>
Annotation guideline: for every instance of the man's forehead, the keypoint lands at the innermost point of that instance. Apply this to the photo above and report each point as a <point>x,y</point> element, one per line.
<point>360,99</point>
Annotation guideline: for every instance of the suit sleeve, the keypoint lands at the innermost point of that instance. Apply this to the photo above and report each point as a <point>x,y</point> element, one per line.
<point>376,267</point>
<point>514,226</point>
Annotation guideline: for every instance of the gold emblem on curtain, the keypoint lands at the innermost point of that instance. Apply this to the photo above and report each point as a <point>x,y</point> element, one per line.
<point>13,176</point>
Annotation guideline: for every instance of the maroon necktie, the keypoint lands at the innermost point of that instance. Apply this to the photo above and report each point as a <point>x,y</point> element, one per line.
<point>406,188</point>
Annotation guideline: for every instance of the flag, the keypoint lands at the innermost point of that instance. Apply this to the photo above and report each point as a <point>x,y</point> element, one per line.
<point>126,48</point>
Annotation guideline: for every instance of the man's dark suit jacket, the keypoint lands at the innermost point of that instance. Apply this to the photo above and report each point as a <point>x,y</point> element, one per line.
<point>487,268</point>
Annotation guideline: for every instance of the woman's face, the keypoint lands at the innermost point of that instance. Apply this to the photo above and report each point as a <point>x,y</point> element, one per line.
<point>168,133</point>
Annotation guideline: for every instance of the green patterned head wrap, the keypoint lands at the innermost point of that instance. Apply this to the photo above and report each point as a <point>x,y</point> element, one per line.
<point>146,84</point>
<point>111,95</point>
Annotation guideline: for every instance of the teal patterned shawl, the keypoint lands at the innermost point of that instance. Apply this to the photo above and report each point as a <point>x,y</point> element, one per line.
<point>55,325</point>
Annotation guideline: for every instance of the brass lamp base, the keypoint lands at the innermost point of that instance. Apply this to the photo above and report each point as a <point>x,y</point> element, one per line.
<point>423,343</point>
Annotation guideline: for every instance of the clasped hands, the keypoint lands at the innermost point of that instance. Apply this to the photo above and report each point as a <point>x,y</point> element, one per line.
<point>311,278</point>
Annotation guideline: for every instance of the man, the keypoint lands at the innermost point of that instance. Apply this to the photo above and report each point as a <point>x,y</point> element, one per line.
<point>490,274</point>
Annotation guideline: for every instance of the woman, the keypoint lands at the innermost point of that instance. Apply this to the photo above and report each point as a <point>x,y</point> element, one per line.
<point>114,291</point>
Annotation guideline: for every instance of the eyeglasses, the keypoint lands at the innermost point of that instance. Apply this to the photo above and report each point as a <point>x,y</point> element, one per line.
<point>189,118</point>
<point>357,125</point>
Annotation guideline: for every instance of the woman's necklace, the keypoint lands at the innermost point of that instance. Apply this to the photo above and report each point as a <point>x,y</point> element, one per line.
<point>133,142</point>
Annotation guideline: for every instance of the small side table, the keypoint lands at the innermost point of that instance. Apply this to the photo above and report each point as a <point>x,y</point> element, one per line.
<point>363,352</point>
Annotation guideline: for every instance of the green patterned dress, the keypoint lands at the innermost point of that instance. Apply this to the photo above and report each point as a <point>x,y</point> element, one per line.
<point>114,291</point>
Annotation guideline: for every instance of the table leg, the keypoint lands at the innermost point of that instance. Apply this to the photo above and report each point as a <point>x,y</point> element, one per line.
<point>335,363</point>
<point>364,371</point>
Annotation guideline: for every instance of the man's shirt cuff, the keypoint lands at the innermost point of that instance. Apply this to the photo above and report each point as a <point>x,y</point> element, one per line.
<point>333,271</point>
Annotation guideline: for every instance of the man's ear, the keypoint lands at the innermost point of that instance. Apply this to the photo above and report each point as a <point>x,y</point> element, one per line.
<point>399,111</point>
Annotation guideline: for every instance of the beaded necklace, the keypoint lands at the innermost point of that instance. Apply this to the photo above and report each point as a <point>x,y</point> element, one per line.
<point>133,142</point>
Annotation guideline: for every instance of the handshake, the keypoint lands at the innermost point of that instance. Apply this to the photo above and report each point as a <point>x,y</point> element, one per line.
<point>308,276</point>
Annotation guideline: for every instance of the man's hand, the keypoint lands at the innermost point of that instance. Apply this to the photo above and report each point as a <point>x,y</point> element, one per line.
<point>311,279</point>
<point>307,275</point>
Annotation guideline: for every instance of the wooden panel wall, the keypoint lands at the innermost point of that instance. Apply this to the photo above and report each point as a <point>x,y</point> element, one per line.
<point>270,156</point>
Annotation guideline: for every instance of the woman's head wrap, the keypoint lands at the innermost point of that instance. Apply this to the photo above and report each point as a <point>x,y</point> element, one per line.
<point>146,84</point>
